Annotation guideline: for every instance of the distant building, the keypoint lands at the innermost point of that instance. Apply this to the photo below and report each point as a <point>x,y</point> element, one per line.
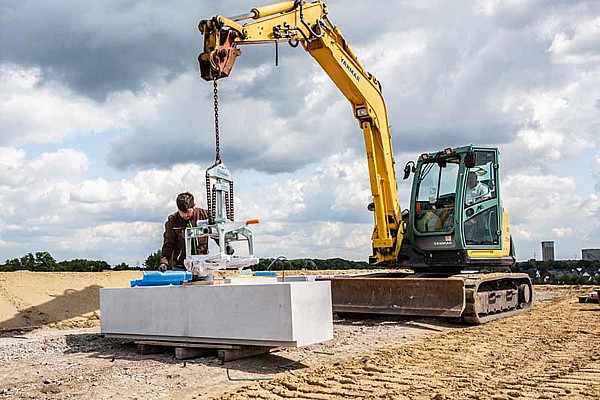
<point>548,251</point>
<point>590,254</point>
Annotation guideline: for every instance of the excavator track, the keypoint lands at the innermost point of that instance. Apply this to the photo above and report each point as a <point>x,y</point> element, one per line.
<point>474,298</point>
<point>492,296</point>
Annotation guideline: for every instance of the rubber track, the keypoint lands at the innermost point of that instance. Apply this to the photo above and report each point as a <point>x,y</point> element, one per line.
<point>472,282</point>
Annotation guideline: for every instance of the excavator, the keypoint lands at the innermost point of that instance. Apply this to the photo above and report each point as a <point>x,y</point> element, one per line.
<point>455,237</point>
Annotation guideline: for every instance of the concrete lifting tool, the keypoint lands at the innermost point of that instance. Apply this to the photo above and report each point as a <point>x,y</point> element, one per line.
<point>220,224</point>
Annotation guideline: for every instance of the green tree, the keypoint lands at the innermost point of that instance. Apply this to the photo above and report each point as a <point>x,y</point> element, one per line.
<point>121,267</point>
<point>44,261</point>
<point>12,265</point>
<point>27,262</point>
<point>82,265</point>
<point>153,260</point>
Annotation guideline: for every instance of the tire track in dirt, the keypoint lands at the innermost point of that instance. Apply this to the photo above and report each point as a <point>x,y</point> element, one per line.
<point>551,352</point>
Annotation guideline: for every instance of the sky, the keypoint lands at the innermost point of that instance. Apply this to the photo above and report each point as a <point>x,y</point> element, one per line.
<point>104,120</point>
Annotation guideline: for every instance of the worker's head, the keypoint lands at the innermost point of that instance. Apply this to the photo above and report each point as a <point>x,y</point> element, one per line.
<point>471,180</point>
<point>185,205</point>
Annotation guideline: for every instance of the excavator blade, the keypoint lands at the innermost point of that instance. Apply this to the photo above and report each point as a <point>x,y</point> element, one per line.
<point>435,297</point>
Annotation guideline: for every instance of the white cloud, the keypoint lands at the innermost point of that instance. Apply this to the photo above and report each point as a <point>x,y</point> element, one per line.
<point>548,145</point>
<point>301,122</point>
<point>11,156</point>
<point>547,207</point>
<point>31,112</point>
<point>581,46</point>
<point>122,220</point>
<point>560,125</point>
<point>51,204</point>
<point>562,232</point>
<point>60,165</point>
<point>596,172</point>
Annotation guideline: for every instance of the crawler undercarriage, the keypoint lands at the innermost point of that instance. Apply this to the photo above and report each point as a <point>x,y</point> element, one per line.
<point>474,298</point>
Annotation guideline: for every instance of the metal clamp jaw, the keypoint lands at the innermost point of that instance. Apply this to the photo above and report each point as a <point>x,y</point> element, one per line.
<point>221,226</point>
<point>223,232</point>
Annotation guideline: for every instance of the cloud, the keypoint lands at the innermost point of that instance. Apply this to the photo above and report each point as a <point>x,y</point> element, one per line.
<point>562,232</point>
<point>446,78</point>
<point>122,219</point>
<point>101,47</point>
<point>523,14</point>
<point>547,207</point>
<point>32,113</point>
<point>579,47</point>
<point>108,46</point>
<point>596,172</point>
<point>176,125</point>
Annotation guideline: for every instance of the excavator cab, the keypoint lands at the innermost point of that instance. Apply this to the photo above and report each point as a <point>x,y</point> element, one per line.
<point>456,217</point>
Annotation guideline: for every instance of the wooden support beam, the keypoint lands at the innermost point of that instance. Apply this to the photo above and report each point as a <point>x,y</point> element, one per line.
<point>183,353</point>
<point>144,349</point>
<point>188,344</point>
<point>225,355</point>
<point>185,350</point>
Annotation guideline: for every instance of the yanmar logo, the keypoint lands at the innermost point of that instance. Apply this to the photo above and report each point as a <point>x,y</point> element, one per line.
<point>350,69</point>
<point>448,242</point>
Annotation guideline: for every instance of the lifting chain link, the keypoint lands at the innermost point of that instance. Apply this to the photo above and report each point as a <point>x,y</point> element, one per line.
<point>216,101</point>
<point>211,195</point>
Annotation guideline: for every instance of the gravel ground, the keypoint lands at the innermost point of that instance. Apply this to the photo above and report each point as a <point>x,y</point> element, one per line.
<point>551,352</point>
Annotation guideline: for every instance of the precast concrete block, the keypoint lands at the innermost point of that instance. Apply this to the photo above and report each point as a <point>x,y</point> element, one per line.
<point>282,314</point>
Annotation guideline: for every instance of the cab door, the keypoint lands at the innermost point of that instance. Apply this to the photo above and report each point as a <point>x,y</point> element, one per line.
<point>481,216</point>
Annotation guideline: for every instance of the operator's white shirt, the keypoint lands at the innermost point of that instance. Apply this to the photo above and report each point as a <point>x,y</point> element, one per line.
<point>479,191</point>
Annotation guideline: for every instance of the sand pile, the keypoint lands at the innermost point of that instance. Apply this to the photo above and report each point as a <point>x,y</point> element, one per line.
<point>59,299</point>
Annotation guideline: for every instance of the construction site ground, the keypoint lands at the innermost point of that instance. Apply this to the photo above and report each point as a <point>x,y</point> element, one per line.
<point>50,347</point>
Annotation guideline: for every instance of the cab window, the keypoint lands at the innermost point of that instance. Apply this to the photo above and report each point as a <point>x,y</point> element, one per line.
<point>482,228</point>
<point>435,198</point>
<point>480,183</point>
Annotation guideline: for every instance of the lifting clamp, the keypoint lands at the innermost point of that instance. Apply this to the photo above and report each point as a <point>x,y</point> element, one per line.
<point>220,225</point>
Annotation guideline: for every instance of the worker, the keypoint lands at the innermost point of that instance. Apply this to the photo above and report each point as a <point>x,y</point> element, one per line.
<point>173,247</point>
<point>475,189</point>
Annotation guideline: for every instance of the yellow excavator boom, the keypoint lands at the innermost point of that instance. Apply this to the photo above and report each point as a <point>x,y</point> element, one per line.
<point>307,24</point>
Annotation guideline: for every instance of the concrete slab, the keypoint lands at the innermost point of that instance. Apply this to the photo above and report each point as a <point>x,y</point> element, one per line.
<point>284,314</point>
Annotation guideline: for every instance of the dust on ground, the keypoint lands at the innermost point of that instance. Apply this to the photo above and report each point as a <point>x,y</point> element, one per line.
<point>551,352</point>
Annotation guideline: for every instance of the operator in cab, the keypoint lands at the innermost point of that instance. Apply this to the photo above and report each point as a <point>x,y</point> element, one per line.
<point>173,249</point>
<point>475,189</point>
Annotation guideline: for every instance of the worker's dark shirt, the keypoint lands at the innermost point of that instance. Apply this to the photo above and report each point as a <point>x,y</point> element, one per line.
<point>174,237</point>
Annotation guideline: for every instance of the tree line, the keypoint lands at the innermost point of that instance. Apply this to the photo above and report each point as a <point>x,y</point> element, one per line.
<point>562,272</point>
<point>44,262</point>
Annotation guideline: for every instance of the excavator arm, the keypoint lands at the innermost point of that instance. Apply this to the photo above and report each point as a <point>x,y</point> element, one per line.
<point>297,22</point>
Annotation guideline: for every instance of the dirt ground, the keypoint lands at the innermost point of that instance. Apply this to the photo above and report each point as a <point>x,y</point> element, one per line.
<point>552,352</point>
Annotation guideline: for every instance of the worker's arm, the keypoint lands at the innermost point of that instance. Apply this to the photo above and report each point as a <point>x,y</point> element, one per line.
<point>307,24</point>
<point>169,243</point>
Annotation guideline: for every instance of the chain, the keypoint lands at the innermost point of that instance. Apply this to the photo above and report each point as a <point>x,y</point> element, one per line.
<point>211,199</point>
<point>211,194</point>
<point>216,99</point>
